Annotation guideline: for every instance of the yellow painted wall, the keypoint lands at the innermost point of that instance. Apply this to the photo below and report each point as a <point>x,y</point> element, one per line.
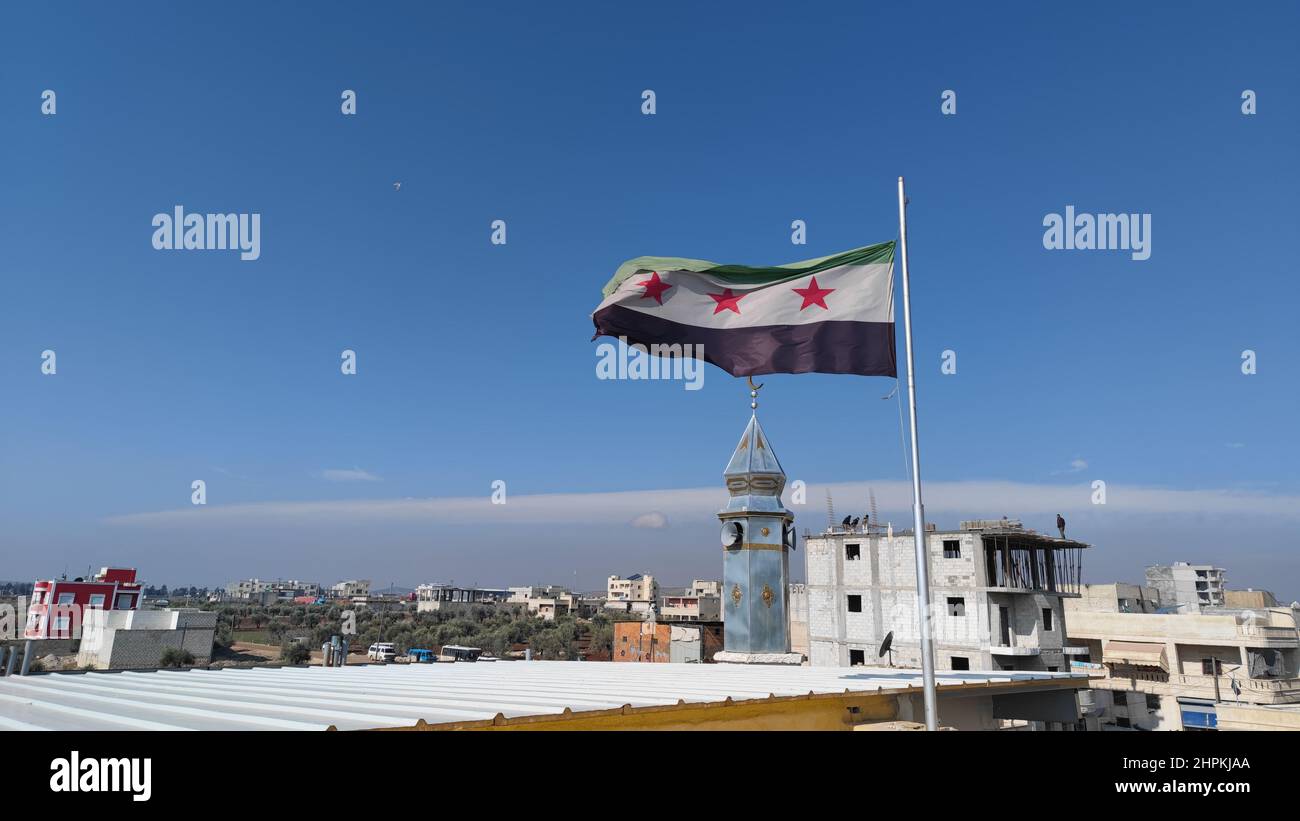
<point>824,712</point>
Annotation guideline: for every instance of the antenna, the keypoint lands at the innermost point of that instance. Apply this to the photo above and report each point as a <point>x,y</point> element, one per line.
<point>875,518</point>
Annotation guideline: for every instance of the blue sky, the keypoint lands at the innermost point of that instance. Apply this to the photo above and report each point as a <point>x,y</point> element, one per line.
<point>475,361</point>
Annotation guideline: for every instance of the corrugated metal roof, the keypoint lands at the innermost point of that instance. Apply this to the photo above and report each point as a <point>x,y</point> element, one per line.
<point>371,696</point>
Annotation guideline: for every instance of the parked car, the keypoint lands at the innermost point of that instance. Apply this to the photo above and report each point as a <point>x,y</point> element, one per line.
<point>382,651</point>
<point>418,656</point>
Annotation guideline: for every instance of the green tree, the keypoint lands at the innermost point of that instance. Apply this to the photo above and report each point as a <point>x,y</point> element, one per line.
<point>295,653</point>
<point>547,644</point>
<point>176,657</point>
<point>602,638</point>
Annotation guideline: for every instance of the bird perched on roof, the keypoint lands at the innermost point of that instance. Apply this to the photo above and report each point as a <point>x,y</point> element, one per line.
<point>1060,525</point>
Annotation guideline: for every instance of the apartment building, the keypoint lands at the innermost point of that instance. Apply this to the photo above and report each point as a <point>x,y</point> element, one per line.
<point>59,605</point>
<point>637,594</point>
<point>1170,671</point>
<point>637,587</point>
<point>996,587</point>
<point>544,602</point>
<point>353,588</point>
<point>701,601</point>
<point>705,587</point>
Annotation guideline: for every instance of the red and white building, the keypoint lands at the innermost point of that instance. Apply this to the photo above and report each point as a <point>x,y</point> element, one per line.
<point>57,606</point>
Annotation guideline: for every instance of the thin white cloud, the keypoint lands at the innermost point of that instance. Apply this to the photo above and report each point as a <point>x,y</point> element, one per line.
<point>976,499</point>
<point>653,520</point>
<point>1076,466</point>
<point>348,475</point>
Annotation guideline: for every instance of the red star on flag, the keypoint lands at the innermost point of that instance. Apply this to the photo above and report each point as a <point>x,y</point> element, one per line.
<point>812,295</point>
<point>654,287</point>
<point>727,301</point>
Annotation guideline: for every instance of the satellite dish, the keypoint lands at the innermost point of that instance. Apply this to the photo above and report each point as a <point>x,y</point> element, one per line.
<point>733,533</point>
<point>887,646</point>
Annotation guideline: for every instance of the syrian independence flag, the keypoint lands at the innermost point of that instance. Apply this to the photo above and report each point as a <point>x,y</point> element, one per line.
<point>829,315</point>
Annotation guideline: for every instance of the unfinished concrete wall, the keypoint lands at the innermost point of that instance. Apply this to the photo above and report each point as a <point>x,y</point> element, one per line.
<point>136,639</point>
<point>799,619</point>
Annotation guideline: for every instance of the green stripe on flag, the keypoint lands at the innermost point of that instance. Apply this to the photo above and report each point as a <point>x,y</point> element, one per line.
<point>748,275</point>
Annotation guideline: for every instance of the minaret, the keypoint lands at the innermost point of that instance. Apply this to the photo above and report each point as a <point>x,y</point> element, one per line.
<point>757,537</point>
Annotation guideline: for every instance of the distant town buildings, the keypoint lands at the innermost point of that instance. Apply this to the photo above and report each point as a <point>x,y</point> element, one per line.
<point>638,595</point>
<point>997,592</point>
<point>271,592</point>
<point>1188,585</point>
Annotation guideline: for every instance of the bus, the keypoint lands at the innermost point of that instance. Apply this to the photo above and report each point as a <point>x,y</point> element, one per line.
<point>455,652</point>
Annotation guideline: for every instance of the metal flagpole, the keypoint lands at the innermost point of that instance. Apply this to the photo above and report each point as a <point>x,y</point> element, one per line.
<point>918,509</point>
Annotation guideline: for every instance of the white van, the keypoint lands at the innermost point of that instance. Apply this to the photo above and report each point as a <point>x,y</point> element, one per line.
<point>382,651</point>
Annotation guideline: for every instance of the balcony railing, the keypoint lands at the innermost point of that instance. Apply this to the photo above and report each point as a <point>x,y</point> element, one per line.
<point>1253,690</point>
<point>1286,636</point>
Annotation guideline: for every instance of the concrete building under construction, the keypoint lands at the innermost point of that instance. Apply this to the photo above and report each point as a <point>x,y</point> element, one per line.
<point>1190,586</point>
<point>996,590</point>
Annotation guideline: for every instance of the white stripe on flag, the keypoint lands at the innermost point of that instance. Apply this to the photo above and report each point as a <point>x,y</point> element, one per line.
<point>860,293</point>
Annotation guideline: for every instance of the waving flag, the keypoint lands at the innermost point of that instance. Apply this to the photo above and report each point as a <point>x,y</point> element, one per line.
<point>834,314</point>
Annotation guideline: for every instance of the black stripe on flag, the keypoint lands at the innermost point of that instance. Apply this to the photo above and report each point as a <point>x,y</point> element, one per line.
<point>863,348</point>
